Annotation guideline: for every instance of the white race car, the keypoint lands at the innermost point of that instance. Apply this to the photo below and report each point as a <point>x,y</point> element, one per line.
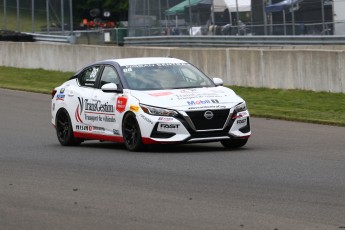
<point>144,101</point>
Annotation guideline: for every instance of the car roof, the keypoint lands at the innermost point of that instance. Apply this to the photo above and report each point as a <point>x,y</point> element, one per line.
<point>145,61</point>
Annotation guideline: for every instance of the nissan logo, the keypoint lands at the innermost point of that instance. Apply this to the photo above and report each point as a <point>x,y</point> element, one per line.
<point>208,115</point>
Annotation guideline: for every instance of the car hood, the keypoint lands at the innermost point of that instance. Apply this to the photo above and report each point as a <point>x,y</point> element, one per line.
<point>189,99</point>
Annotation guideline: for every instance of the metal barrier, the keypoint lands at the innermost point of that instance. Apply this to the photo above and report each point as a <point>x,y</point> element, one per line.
<point>52,38</point>
<point>232,41</point>
<point>90,37</point>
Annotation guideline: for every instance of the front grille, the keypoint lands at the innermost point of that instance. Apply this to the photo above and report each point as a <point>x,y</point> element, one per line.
<point>209,134</point>
<point>201,123</point>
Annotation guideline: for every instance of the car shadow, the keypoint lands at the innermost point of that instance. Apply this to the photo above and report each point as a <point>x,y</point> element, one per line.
<point>166,148</point>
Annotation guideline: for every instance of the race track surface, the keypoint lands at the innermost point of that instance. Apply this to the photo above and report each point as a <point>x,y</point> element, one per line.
<point>289,176</point>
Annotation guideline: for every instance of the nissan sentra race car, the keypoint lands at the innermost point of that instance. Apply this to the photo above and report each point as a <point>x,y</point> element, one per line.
<point>144,101</point>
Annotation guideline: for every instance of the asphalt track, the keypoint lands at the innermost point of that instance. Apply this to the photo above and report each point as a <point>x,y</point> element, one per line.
<point>289,176</point>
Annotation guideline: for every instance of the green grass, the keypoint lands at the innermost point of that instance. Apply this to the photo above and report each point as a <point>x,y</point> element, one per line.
<point>295,105</point>
<point>33,80</point>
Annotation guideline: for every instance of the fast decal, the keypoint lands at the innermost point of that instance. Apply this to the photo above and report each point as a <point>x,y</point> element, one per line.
<point>202,102</point>
<point>243,121</point>
<point>61,95</point>
<point>96,111</point>
<point>121,104</point>
<point>134,108</point>
<point>168,127</point>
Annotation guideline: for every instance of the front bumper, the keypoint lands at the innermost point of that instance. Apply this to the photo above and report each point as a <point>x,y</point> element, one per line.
<point>193,126</point>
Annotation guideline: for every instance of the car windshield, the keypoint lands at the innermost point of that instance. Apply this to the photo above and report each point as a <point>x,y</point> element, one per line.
<point>165,76</point>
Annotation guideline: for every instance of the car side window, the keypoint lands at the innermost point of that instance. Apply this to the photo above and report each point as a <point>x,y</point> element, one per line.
<point>109,75</point>
<point>88,76</point>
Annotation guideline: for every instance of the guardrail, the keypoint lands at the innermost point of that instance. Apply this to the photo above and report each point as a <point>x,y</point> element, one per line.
<point>203,41</point>
<point>232,41</point>
<point>90,37</point>
<point>52,38</point>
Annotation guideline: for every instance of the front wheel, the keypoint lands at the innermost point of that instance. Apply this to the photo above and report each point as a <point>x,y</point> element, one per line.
<point>234,143</point>
<point>64,130</point>
<point>131,133</point>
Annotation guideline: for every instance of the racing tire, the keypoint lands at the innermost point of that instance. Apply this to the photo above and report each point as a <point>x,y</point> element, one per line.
<point>234,143</point>
<point>131,133</point>
<point>64,130</point>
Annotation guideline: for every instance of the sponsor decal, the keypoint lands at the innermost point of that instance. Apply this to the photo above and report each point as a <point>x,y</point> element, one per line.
<point>77,114</point>
<point>241,114</point>
<point>165,118</point>
<point>208,107</point>
<point>89,128</point>
<point>116,132</point>
<point>61,95</point>
<point>159,94</point>
<point>96,111</point>
<point>146,119</point>
<point>243,121</point>
<point>121,104</point>
<point>134,108</point>
<point>168,127</point>
<point>82,127</point>
<point>98,129</point>
<point>97,106</point>
<point>188,91</point>
<point>202,102</point>
<point>190,96</point>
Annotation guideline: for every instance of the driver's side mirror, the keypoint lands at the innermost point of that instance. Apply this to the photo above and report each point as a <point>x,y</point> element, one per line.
<point>217,81</point>
<point>111,88</point>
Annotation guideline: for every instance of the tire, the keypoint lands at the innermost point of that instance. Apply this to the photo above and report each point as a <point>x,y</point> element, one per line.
<point>64,130</point>
<point>131,133</point>
<point>234,143</point>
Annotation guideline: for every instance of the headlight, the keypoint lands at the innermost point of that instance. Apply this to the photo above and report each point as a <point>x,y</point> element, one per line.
<point>155,111</point>
<point>241,107</point>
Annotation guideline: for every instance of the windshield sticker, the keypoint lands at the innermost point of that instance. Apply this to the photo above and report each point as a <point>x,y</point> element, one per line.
<point>129,68</point>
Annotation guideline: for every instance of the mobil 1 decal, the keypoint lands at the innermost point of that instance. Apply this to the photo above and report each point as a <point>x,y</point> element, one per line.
<point>95,111</point>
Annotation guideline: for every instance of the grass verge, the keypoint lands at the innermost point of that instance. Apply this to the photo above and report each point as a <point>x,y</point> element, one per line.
<point>294,105</point>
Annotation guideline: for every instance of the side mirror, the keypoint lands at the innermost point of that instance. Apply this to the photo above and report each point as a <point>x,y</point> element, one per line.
<point>217,81</point>
<point>110,88</point>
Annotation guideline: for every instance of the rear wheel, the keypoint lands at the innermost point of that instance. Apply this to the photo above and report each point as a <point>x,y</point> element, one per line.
<point>64,130</point>
<point>234,143</point>
<point>131,133</point>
